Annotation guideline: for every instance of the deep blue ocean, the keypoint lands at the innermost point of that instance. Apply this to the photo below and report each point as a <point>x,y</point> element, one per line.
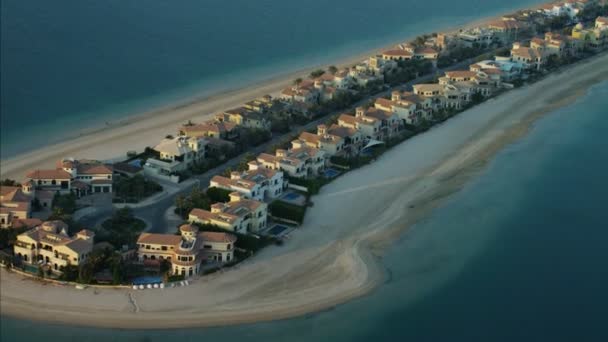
<point>518,255</point>
<point>69,65</point>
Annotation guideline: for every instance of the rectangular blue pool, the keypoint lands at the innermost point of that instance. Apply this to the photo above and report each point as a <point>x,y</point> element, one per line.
<point>291,196</point>
<point>278,229</point>
<point>331,173</point>
<point>147,280</point>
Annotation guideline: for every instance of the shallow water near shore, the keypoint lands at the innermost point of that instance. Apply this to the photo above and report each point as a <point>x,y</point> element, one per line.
<point>518,255</point>
<point>68,67</point>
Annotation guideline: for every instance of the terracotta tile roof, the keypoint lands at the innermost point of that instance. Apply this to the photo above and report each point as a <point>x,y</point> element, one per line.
<point>460,74</point>
<point>205,215</point>
<point>504,24</point>
<point>378,114</point>
<point>385,102</point>
<point>348,119</point>
<point>342,131</point>
<point>159,239</point>
<point>188,228</point>
<point>25,222</point>
<point>12,194</point>
<point>48,174</point>
<point>315,138</point>
<point>92,169</point>
<point>426,87</point>
<point>525,52</point>
<point>411,97</point>
<point>397,53</point>
<point>227,182</point>
<point>79,246</point>
<point>426,50</point>
<point>218,237</point>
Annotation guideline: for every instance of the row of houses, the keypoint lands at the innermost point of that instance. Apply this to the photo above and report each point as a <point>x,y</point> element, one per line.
<point>81,177</point>
<point>49,245</point>
<point>537,53</point>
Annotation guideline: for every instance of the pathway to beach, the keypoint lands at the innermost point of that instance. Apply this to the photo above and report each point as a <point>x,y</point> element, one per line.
<point>333,257</point>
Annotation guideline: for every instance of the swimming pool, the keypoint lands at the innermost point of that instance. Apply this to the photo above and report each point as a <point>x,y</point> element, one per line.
<point>147,280</point>
<point>291,196</point>
<point>331,173</point>
<point>277,229</point>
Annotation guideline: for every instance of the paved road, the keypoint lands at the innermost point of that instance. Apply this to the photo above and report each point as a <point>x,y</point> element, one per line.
<point>154,214</point>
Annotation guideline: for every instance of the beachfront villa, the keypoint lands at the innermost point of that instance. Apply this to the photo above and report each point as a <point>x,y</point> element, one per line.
<point>329,143</point>
<point>471,82</point>
<point>296,162</point>
<point>570,8</point>
<point>505,69</point>
<point>506,30</point>
<point>257,183</point>
<point>83,177</point>
<point>528,57</point>
<point>555,44</point>
<point>373,123</point>
<point>303,92</point>
<point>444,95</point>
<point>187,253</point>
<point>49,244</point>
<point>409,107</point>
<point>176,155</point>
<point>321,89</point>
<point>239,215</point>
<point>260,105</point>
<point>210,129</point>
<point>594,38</point>
<point>244,117</point>
<point>371,70</point>
<point>15,206</point>
<point>476,37</point>
<point>406,52</point>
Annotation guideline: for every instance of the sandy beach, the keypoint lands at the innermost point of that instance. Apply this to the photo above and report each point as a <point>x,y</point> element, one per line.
<point>136,132</point>
<point>335,256</point>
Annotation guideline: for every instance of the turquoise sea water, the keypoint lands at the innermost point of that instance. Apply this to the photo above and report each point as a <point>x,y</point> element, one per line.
<point>70,65</point>
<point>518,255</point>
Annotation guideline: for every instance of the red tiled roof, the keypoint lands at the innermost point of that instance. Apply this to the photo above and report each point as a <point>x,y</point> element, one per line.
<point>218,237</point>
<point>48,174</point>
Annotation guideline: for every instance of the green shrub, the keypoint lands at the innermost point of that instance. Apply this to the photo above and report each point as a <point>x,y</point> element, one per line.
<point>287,211</point>
<point>218,195</point>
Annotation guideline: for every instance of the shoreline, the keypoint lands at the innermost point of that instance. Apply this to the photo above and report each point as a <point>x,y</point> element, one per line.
<point>141,129</point>
<point>315,272</point>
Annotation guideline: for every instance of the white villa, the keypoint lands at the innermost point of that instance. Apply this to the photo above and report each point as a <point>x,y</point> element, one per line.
<point>240,215</point>
<point>256,183</point>
<point>176,154</point>
<point>296,162</point>
<point>83,177</point>
<point>505,69</point>
<point>186,253</point>
<point>49,244</point>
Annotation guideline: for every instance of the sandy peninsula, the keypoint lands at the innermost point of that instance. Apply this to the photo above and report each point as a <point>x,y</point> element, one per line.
<point>334,256</point>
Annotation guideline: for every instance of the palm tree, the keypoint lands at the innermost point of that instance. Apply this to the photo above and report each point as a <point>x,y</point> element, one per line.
<point>332,69</point>
<point>297,82</point>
